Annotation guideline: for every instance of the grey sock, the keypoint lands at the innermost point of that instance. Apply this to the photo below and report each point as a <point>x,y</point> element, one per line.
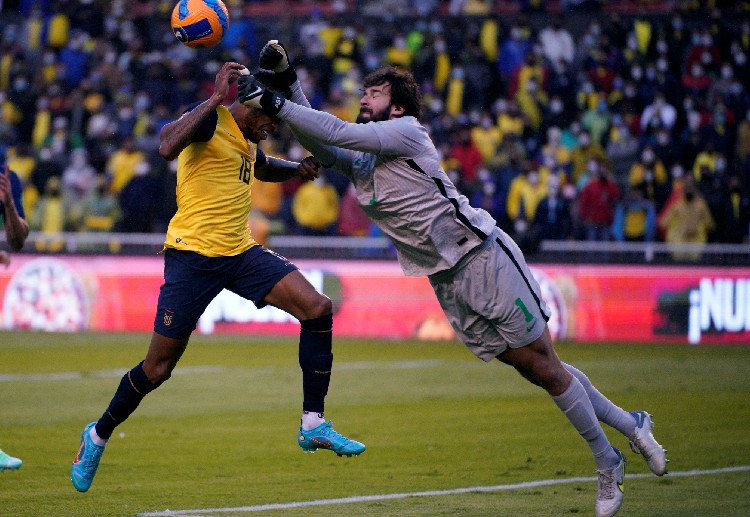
<point>577,407</point>
<point>606,411</point>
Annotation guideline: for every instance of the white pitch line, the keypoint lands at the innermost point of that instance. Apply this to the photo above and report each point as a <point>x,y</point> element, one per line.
<point>428,493</point>
<point>181,370</point>
<point>68,376</point>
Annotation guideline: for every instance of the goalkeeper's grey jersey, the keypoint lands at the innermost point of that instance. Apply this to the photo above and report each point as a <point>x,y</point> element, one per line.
<point>400,184</point>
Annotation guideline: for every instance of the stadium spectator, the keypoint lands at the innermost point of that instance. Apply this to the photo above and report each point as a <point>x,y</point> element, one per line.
<point>452,251</point>
<point>123,163</point>
<point>557,43</point>
<point>553,219</point>
<point>596,206</point>
<point>46,167</point>
<point>79,177</point>
<point>487,197</point>
<point>467,154</point>
<point>650,175</point>
<point>659,114</point>
<point>714,189</point>
<point>525,193</point>
<point>586,151</point>
<point>635,217</point>
<point>737,225</point>
<point>99,209</point>
<point>138,200</point>
<point>209,247</point>
<point>622,148</point>
<point>84,75</point>
<point>687,221</point>
<point>316,207</point>
<point>51,216</point>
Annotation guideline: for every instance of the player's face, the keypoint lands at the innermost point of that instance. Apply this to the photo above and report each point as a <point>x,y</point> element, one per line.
<point>375,104</point>
<point>258,125</point>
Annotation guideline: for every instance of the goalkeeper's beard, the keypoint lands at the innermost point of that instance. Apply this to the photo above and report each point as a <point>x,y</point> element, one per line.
<point>367,115</point>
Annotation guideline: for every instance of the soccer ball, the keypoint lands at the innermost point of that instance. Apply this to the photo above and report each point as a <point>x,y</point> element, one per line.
<point>200,23</point>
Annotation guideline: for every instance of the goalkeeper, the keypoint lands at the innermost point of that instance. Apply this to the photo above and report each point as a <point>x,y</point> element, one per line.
<point>479,274</point>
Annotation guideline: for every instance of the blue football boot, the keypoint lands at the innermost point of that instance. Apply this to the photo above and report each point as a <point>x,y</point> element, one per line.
<point>86,462</point>
<point>325,437</point>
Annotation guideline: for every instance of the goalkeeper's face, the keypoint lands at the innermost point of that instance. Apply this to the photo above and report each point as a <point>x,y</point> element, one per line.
<point>256,125</point>
<point>375,104</point>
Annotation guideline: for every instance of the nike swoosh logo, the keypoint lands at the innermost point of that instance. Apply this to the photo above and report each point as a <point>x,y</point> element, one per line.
<point>79,455</point>
<point>528,329</point>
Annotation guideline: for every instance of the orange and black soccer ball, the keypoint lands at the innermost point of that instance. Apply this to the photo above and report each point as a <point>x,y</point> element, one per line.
<point>200,23</point>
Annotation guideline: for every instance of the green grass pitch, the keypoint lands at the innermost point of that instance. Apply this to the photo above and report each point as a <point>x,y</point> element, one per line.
<point>222,432</point>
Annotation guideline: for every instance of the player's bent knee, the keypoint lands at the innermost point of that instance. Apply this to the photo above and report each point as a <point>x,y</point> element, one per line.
<point>322,306</point>
<point>159,373</point>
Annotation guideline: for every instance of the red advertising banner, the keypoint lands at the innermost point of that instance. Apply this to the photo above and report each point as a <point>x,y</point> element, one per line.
<point>589,303</point>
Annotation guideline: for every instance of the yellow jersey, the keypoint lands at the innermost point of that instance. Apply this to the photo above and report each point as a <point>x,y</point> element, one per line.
<point>213,190</point>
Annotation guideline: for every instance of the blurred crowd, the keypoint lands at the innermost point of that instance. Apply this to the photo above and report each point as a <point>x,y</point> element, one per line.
<point>564,124</point>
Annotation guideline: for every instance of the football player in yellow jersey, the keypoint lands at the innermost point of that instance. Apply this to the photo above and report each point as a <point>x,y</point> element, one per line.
<point>208,248</point>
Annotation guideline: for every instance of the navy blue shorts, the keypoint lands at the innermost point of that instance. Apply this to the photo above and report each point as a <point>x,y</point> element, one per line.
<point>191,281</point>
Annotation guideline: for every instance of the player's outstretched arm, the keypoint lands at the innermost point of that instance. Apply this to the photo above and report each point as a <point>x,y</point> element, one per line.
<point>276,169</point>
<point>176,135</point>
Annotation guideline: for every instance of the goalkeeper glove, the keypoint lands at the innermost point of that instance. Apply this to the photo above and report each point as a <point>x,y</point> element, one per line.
<point>252,93</point>
<point>276,72</point>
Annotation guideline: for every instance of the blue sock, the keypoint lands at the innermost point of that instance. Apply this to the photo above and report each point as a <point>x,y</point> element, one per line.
<point>134,385</point>
<point>316,360</point>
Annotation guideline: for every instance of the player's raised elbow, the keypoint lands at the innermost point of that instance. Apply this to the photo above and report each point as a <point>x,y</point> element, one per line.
<point>167,151</point>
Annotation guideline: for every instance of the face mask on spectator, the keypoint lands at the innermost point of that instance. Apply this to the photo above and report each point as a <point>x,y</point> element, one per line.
<point>662,65</point>
<point>636,73</point>
<point>20,84</point>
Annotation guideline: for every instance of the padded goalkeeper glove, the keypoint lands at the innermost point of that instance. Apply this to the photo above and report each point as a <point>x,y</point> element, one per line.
<point>252,93</point>
<point>276,72</point>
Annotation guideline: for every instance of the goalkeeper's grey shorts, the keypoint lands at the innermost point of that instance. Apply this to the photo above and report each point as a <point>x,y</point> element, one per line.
<point>491,299</point>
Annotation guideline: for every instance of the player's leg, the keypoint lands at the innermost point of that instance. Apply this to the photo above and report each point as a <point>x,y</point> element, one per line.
<point>161,358</point>
<point>538,362</point>
<point>495,306</point>
<point>637,426</point>
<point>146,376</point>
<point>188,288</point>
<point>276,281</point>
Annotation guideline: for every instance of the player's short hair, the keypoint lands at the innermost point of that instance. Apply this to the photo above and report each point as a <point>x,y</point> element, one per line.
<point>405,91</point>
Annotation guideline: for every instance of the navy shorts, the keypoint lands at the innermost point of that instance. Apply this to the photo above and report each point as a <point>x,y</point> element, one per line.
<point>191,281</point>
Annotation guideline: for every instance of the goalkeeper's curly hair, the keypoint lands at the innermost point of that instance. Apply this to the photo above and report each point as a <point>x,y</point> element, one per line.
<point>405,91</point>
